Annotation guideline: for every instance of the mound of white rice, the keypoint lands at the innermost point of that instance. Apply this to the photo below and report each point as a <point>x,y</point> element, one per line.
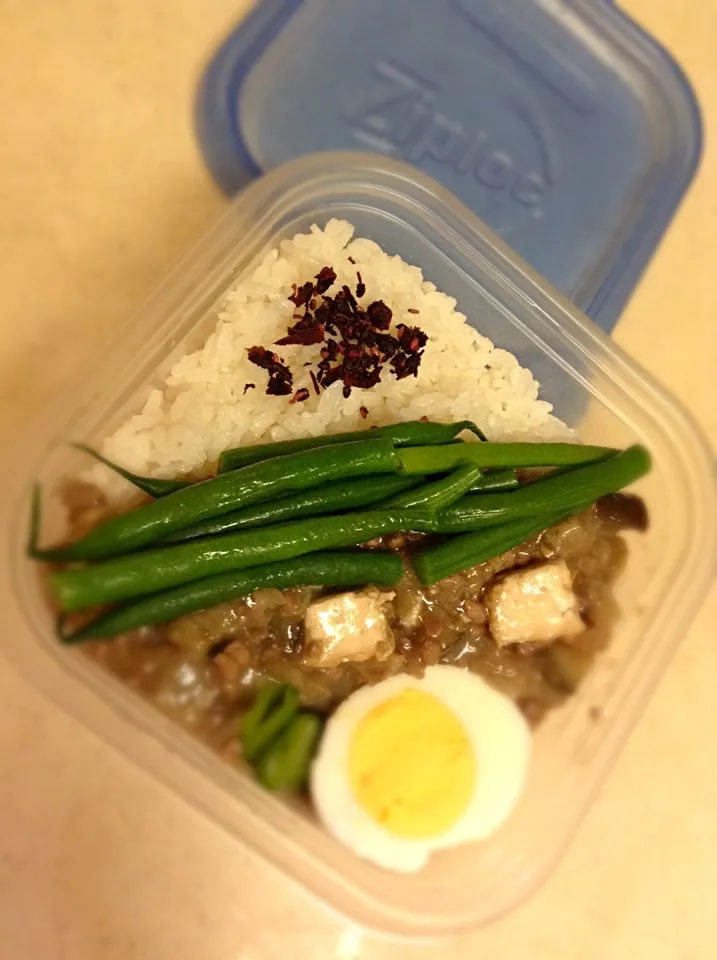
<point>201,408</point>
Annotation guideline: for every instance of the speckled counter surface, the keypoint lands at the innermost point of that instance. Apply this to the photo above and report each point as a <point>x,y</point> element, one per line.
<point>101,189</point>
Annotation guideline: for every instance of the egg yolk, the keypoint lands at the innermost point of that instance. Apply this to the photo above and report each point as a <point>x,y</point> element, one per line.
<point>411,765</point>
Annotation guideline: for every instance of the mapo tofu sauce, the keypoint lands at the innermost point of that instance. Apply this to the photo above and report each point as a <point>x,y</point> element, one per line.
<point>203,670</point>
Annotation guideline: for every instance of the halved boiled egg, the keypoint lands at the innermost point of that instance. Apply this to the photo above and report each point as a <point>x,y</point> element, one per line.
<point>408,766</point>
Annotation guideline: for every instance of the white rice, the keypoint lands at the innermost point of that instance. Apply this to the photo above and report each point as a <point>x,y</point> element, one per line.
<point>201,408</point>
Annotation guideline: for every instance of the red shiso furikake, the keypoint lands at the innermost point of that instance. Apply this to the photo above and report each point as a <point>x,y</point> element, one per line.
<point>355,343</point>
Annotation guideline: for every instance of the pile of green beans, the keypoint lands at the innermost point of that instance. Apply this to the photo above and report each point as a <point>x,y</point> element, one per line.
<point>277,511</point>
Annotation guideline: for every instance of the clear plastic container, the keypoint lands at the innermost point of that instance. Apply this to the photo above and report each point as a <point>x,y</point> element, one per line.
<point>667,573</point>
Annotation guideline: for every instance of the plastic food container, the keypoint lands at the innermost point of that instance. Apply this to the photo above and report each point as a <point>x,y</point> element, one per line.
<point>667,572</point>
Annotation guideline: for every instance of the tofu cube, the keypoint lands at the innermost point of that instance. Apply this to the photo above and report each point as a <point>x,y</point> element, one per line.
<point>534,604</point>
<point>347,627</point>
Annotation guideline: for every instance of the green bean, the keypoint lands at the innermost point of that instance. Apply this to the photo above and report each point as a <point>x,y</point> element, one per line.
<point>273,710</point>
<point>124,578</point>
<point>439,493</point>
<point>332,498</point>
<point>496,480</point>
<point>154,486</point>
<point>414,432</point>
<point>320,569</point>
<point>427,460</point>
<point>548,495</point>
<point>211,498</point>
<point>286,764</point>
<point>468,549</point>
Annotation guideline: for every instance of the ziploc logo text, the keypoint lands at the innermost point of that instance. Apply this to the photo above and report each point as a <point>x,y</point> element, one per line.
<point>400,116</point>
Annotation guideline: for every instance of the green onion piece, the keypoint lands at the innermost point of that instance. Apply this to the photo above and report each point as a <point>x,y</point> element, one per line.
<point>272,712</point>
<point>286,764</point>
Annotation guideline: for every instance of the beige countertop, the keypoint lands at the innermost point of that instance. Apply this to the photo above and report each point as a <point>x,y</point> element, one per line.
<point>101,188</point>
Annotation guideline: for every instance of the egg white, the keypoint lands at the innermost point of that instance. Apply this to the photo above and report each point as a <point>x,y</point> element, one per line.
<point>500,740</point>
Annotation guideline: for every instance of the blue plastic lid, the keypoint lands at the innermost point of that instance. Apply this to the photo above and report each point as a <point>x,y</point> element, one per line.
<point>559,122</point>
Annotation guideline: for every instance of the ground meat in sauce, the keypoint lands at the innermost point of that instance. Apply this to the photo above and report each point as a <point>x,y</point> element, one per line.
<point>203,669</point>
